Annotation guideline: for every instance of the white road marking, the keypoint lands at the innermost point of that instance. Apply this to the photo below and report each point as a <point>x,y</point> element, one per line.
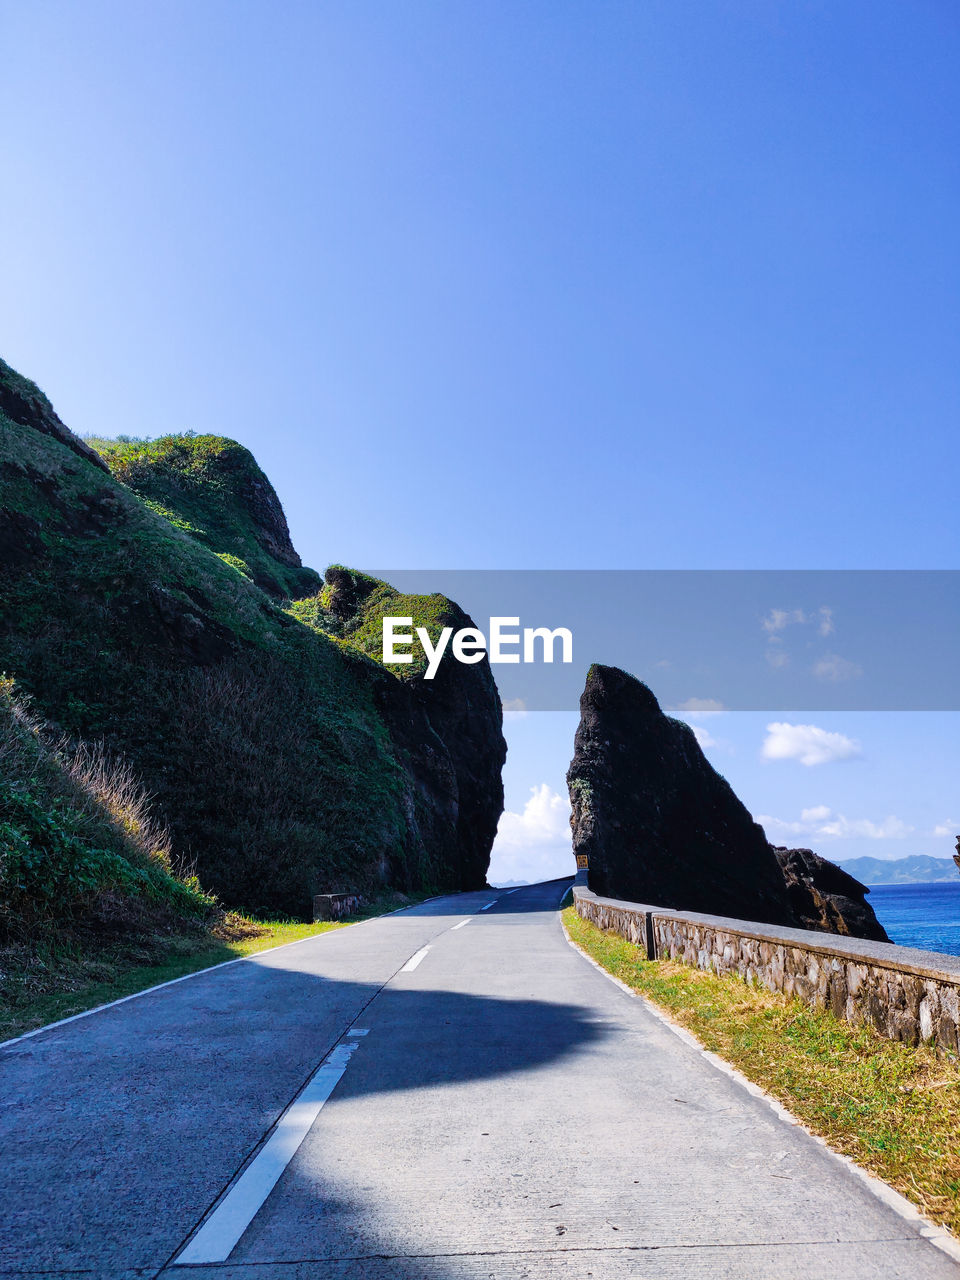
<point>359,1031</point>
<point>415,960</point>
<point>462,923</point>
<point>489,905</point>
<point>221,1232</point>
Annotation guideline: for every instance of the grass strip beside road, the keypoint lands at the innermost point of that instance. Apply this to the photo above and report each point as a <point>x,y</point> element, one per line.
<point>42,986</point>
<point>892,1108</point>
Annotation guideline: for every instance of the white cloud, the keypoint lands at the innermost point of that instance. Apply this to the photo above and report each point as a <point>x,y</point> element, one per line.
<point>701,706</point>
<point>822,823</point>
<point>535,844</point>
<point>949,828</point>
<point>705,739</point>
<point>819,813</point>
<point>777,658</point>
<point>545,819</point>
<point>777,829</point>
<point>779,619</point>
<point>807,743</point>
<point>890,828</point>
<point>515,709</point>
<point>834,668</point>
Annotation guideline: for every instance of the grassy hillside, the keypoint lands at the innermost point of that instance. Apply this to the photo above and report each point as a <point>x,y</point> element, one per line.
<point>352,606</point>
<point>76,826</point>
<point>212,488</point>
<point>82,857</point>
<point>283,760</point>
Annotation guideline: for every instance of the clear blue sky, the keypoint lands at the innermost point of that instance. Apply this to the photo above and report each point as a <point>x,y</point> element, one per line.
<point>541,284</point>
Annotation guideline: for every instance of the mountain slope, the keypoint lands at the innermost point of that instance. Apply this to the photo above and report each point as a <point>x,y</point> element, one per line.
<point>283,759</point>
<point>918,868</point>
<point>212,488</point>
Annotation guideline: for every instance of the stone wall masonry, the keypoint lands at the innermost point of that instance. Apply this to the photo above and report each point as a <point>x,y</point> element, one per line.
<point>907,995</point>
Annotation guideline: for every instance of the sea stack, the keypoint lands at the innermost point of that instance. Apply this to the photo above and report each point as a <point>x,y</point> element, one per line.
<point>657,824</point>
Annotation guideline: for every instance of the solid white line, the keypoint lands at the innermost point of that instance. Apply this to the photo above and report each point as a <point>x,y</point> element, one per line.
<point>221,1232</point>
<point>462,923</point>
<point>172,982</point>
<point>415,960</point>
<point>489,905</point>
<point>938,1236</point>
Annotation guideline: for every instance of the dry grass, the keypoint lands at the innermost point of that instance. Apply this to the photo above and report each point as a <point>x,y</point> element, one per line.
<point>111,783</point>
<point>893,1108</point>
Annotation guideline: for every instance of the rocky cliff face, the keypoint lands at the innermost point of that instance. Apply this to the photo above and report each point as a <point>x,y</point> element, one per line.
<point>661,826</point>
<point>456,704</point>
<point>658,823</point>
<point>284,759</point>
<point>826,897</point>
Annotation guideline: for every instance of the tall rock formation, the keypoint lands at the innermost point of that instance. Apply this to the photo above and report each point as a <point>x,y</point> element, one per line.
<point>660,825</point>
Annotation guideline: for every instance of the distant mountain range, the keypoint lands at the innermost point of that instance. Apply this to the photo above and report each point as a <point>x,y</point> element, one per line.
<point>919,868</point>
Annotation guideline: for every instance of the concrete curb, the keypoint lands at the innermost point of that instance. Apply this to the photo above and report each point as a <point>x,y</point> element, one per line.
<point>937,1235</point>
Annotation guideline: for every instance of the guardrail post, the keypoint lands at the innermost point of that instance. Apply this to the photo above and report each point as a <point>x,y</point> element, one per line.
<point>649,935</point>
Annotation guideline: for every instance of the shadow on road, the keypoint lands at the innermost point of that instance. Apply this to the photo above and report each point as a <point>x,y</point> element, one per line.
<point>528,898</point>
<point>158,1100</point>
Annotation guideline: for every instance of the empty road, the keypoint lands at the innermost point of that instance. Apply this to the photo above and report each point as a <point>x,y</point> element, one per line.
<point>449,1093</point>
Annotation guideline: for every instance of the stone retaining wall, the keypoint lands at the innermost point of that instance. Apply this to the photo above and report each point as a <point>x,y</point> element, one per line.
<point>907,995</point>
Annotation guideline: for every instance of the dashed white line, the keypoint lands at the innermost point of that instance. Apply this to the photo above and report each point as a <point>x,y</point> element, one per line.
<point>489,905</point>
<point>359,1031</point>
<point>415,960</point>
<point>221,1232</point>
<point>461,924</point>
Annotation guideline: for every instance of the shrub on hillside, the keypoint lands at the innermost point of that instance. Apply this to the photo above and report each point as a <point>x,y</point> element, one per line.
<point>75,825</point>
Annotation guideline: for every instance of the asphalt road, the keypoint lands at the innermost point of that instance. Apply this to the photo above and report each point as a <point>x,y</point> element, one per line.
<point>508,1112</point>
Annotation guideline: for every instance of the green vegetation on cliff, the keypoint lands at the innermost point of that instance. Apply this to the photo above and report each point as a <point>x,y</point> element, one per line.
<point>75,827</point>
<point>352,605</point>
<point>146,608</point>
<point>212,489</point>
<point>86,881</point>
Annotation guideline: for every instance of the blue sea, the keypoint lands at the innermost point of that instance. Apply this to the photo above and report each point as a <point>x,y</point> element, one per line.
<point>920,915</point>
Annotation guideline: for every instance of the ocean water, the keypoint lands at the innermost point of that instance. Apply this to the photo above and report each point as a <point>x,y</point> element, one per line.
<point>920,915</point>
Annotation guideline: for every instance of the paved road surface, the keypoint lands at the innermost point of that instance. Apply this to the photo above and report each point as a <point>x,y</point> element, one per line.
<point>509,1113</point>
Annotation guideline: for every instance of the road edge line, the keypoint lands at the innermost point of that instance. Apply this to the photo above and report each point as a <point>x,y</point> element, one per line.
<point>904,1208</point>
<point>223,964</point>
